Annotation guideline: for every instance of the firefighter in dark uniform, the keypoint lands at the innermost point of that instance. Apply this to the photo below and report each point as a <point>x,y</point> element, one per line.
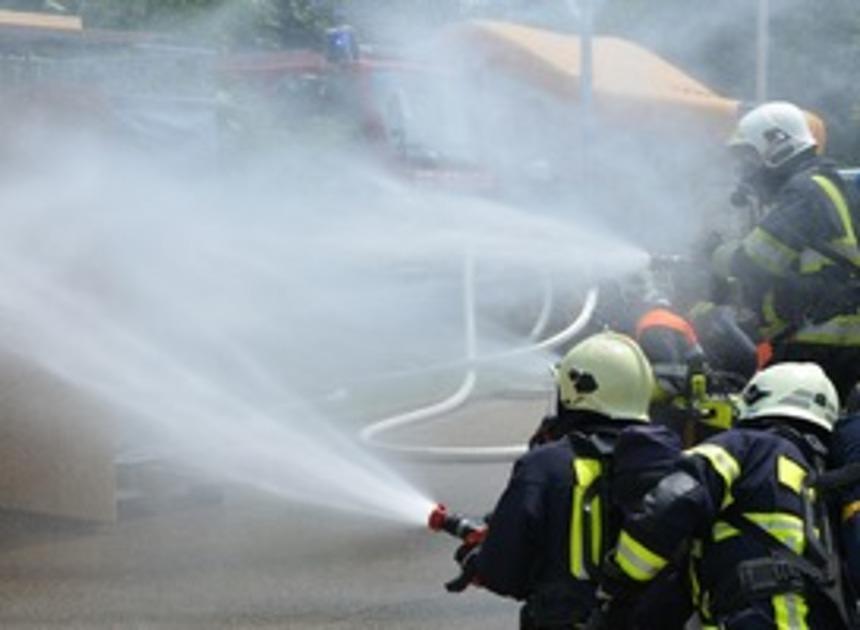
<point>757,537</point>
<point>795,268</point>
<point>636,306</point>
<point>846,452</point>
<point>692,396</point>
<point>672,346</point>
<point>553,523</point>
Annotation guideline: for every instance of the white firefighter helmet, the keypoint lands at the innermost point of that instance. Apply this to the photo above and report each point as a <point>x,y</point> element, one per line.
<point>793,391</point>
<point>606,373</point>
<point>776,132</point>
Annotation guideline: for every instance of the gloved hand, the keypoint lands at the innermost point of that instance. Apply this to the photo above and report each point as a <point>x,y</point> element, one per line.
<point>722,259</point>
<point>616,598</point>
<point>467,557</point>
<point>611,614</point>
<point>462,552</point>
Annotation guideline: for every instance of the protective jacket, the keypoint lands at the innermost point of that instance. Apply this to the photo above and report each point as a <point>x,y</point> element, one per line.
<point>846,452</point>
<point>741,479</point>
<point>559,516</point>
<point>540,547</point>
<point>787,265</point>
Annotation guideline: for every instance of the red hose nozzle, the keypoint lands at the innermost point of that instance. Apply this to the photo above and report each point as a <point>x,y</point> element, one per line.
<point>458,526</point>
<point>436,521</point>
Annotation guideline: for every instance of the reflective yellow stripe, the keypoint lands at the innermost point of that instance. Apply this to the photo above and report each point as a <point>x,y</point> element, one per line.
<point>722,530</point>
<point>693,561</point>
<point>790,473</point>
<point>835,195</point>
<point>786,528</point>
<point>843,330</point>
<point>723,462</point>
<point>636,560</point>
<point>769,252</point>
<point>596,531</point>
<point>773,323</point>
<point>587,471</point>
<point>850,510</point>
<point>790,611</point>
<point>812,261</point>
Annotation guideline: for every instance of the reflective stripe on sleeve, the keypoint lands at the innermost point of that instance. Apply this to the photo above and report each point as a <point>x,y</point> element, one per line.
<point>769,252</point>
<point>847,244</point>
<point>723,462</point>
<point>842,330</point>
<point>636,560</point>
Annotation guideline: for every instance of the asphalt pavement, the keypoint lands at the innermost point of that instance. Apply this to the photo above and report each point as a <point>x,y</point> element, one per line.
<point>239,558</point>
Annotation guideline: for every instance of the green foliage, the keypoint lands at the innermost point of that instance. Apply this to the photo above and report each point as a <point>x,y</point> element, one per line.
<point>235,23</point>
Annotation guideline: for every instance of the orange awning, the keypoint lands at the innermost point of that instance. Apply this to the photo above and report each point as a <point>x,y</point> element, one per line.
<point>628,81</point>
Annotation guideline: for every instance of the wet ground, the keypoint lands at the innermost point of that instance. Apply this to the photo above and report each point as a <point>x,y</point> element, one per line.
<point>249,560</point>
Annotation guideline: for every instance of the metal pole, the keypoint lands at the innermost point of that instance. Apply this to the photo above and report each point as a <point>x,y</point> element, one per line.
<point>762,45</point>
<point>586,73</point>
<point>586,96</point>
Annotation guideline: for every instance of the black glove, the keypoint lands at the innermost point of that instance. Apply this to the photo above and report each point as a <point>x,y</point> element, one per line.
<point>463,551</point>
<point>614,583</point>
<point>611,614</point>
<point>616,598</point>
<point>467,557</point>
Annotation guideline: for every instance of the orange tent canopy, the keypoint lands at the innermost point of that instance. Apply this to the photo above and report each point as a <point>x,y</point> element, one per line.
<point>628,81</point>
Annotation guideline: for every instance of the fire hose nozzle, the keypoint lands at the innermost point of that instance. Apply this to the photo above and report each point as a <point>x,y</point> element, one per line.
<point>440,520</point>
<point>436,520</point>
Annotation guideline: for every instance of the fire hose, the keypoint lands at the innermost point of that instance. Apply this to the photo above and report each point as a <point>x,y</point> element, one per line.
<point>371,434</point>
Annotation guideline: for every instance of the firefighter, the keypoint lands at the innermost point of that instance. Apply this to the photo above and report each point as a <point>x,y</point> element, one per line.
<point>846,452</point>
<point>553,522</point>
<point>672,346</point>
<point>796,268</point>
<point>759,541</point>
<point>636,306</point>
<point>690,396</point>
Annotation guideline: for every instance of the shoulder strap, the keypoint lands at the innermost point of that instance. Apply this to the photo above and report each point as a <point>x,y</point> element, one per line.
<point>826,571</point>
<point>827,580</point>
<point>592,513</point>
<point>737,520</point>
